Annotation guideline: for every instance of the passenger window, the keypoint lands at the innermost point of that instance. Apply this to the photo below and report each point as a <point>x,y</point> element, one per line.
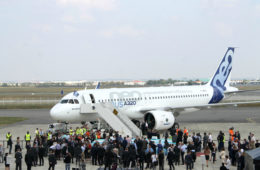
<point>71,101</point>
<point>64,101</point>
<point>76,101</point>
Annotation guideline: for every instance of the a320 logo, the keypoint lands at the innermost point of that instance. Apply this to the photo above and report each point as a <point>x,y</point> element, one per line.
<point>223,71</point>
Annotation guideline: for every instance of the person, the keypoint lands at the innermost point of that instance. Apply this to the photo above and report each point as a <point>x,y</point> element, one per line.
<point>222,155</point>
<point>161,160</point>
<point>17,146</point>
<point>27,137</point>
<point>52,160</point>
<point>67,161</point>
<point>170,158</point>
<point>188,161</point>
<point>213,153</point>
<point>141,158</point>
<point>29,159</point>
<point>7,164</point>
<point>177,151</point>
<point>108,159</point>
<point>10,144</point>
<point>227,162</point>
<point>205,140</point>
<point>8,135</point>
<point>183,150</point>
<point>1,153</point>
<point>41,154</point>
<point>37,133</point>
<point>125,158</point>
<point>18,159</point>
<point>207,153</point>
<point>223,167</point>
<point>82,162</point>
<point>154,160</point>
<point>35,155</point>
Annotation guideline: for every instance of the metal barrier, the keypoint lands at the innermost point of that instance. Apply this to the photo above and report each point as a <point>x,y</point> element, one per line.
<point>4,143</point>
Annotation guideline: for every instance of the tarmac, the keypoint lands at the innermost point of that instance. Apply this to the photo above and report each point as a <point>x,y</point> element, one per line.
<point>214,128</point>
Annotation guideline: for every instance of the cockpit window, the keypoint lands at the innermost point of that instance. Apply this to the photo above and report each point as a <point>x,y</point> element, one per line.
<point>71,101</point>
<point>64,101</point>
<point>76,101</point>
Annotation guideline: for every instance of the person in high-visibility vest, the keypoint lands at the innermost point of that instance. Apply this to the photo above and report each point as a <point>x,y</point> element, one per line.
<point>27,137</point>
<point>37,132</point>
<point>77,131</point>
<point>231,133</point>
<point>81,131</point>
<point>186,131</point>
<point>8,136</point>
<point>84,130</point>
<point>71,131</point>
<point>49,136</point>
<point>177,130</point>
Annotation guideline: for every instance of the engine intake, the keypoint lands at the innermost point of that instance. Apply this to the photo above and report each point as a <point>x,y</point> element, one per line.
<point>159,120</point>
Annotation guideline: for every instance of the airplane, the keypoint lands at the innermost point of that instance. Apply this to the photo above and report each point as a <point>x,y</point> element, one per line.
<point>158,106</point>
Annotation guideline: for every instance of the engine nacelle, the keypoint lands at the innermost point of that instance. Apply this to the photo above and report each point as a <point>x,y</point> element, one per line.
<point>159,120</point>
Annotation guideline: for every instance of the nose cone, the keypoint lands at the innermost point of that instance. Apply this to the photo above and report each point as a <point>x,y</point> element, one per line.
<point>54,112</point>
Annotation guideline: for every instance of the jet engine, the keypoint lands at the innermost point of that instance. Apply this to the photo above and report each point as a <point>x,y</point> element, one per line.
<point>159,120</point>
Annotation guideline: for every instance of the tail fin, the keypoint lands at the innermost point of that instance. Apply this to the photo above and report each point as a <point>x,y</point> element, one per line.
<point>220,81</point>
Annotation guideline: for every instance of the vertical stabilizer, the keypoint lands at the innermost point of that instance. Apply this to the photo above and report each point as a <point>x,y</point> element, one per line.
<point>220,81</point>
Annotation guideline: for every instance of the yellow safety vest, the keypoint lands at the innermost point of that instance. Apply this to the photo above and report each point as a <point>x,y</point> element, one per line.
<point>8,136</point>
<point>81,131</point>
<point>71,132</point>
<point>27,137</point>
<point>77,132</point>
<point>37,132</point>
<point>84,130</point>
<point>49,136</point>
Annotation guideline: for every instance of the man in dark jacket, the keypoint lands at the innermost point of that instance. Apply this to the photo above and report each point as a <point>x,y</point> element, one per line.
<point>141,158</point>
<point>100,154</point>
<point>35,155</point>
<point>67,161</point>
<point>161,160</point>
<point>78,153</point>
<point>170,158</point>
<point>125,158</point>
<point>29,159</point>
<point>52,160</point>
<point>108,159</point>
<point>18,159</point>
<point>177,153</point>
<point>17,146</point>
<point>94,151</point>
<point>223,167</point>
<point>188,161</point>
<point>41,154</point>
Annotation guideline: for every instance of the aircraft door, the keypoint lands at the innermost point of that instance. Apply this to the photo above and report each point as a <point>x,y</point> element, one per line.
<point>92,98</point>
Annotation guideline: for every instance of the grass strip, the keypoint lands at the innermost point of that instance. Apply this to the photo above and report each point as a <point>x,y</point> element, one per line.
<point>10,120</point>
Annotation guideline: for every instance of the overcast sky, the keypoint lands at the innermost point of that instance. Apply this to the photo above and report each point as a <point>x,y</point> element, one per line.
<point>134,39</point>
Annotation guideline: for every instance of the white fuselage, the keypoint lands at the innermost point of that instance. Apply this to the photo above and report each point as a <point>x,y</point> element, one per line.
<point>131,101</point>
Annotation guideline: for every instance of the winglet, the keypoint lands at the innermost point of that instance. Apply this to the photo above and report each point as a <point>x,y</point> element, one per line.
<point>98,85</point>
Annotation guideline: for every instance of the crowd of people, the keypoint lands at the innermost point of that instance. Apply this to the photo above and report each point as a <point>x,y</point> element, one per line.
<point>82,144</point>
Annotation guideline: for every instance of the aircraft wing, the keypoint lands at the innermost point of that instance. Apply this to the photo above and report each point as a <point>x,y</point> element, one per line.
<point>206,106</point>
<point>241,91</point>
